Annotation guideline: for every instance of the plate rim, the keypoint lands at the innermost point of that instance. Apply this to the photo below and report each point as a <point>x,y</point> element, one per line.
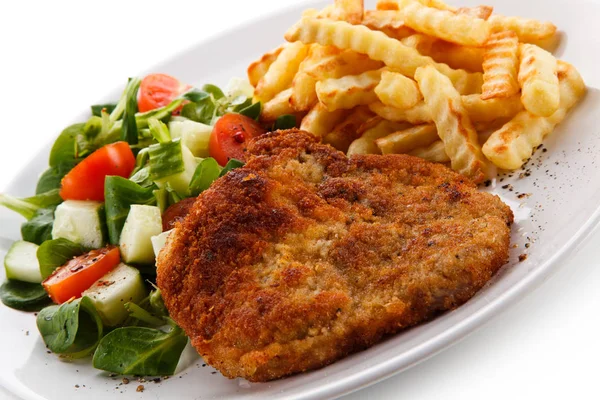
<point>398,363</point>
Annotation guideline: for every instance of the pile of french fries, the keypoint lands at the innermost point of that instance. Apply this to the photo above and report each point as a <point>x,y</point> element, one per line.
<point>461,86</point>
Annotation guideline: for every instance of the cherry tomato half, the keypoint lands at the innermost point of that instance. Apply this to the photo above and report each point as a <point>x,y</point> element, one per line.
<point>86,180</point>
<point>230,135</point>
<point>158,90</point>
<point>80,273</point>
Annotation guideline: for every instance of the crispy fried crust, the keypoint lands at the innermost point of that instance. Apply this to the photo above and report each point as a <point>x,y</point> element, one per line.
<point>304,256</point>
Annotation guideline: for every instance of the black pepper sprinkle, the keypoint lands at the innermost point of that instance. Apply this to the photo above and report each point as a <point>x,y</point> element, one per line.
<point>125,381</point>
<point>522,257</point>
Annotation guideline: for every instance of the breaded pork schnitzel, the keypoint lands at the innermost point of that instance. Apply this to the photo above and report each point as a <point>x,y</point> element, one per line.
<point>304,256</point>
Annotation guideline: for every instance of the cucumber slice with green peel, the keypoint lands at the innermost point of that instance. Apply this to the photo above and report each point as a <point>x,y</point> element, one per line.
<point>109,294</point>
<point>21,262</point>
<point>24,296</point>
<point>141,224</point>
<point>194,135</point>
<point>81,222</point>
<point>159,241</point>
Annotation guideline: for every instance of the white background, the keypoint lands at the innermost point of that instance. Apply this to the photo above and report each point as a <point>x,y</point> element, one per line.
<point>57,57</point>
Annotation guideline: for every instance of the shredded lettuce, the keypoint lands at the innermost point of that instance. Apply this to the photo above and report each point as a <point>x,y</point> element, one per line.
<point>120,194</point>
<point>159,131</point>
<point>166,159</point>
<point>129,130</point>
<point>29,206</point>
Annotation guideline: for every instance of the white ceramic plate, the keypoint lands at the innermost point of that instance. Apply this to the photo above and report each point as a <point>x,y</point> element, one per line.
<point>562,207</point>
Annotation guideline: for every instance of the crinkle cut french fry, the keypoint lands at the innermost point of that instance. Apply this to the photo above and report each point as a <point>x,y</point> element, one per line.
<point>378,47</point>
<point>539,81</point>
<point>281,72</point>
<point>304,94</point>
<point>397,90</point>
<point>378,128</point>
<point>259,68</point>
<point>421,42</point>
<point>482,12</point>
<point>393,5</point>
<point>513,144</point>
<point>277,106</point>
<point>435,152</point>
<point>528,30</point>
<point>320,122</point>
<point>404,141</point>
<point>344,133</point>
<point>489,110</point>
<point>347,62</point>
<point>477,109</point>
<point>439,4</point>
<point>349,91</point>
<point>387,21</point>
<point>453,124</point>
<point>486,128</point>
<point>459,29</point>
<point>386,5</point>
<point>418,114</point>
<point>349,10</point>
<point>455,55</point>
<point>500,65</point>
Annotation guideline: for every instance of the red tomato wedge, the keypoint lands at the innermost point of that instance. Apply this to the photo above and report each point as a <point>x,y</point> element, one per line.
<point>158,90</point>
<point>230,135</point>
<point>80,273</point>
<point>86,180</point>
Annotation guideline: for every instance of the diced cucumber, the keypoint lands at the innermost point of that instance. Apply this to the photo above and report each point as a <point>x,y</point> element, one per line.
<point>110,293</point>
<point>194,135</point>
<point>21,262</point>
<point>180,182</point>
<point>141,224</point>
<point>81,222</point>
<point>239,87</point>
<point>159,241</point>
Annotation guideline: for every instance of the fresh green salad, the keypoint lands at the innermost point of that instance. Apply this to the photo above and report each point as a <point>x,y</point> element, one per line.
<point>115,186</point>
